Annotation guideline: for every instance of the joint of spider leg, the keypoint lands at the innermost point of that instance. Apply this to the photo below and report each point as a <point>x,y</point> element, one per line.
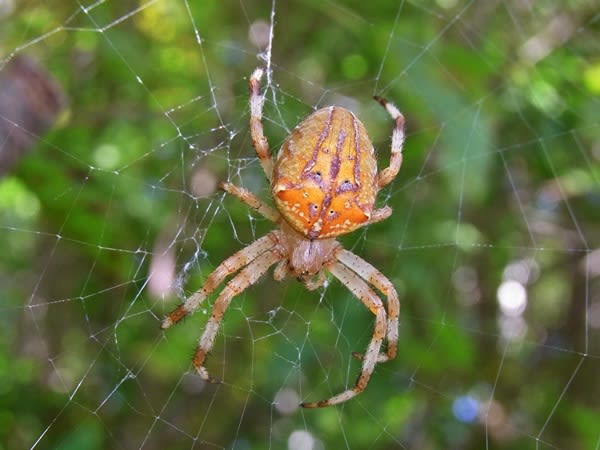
<point>382,101</point>
<point>357,355</point>
<point>255,78</point>
<point>258,73</point>
<point>392,110</point>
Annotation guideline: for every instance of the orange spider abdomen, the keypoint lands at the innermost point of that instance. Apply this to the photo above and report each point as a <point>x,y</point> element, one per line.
<point>324,180</point>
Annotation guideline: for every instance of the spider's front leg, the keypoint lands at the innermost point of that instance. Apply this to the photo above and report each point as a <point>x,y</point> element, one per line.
<point>375,278</point>
<point>231,265</point>
<point>246,277</point>
<point>361,290</point>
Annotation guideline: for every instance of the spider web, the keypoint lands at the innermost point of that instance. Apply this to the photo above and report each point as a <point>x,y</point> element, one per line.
<point>113,218</point>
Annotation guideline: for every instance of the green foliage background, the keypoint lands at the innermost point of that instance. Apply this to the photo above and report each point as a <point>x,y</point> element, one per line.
<point>501,164</point>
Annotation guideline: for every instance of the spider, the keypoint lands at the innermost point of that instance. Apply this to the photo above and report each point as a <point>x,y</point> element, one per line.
<point>324,183</point>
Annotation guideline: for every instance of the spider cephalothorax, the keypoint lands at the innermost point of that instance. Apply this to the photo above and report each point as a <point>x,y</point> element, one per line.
<point>324,183</point>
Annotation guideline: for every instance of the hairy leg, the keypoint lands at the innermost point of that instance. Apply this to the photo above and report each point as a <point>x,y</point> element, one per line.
<point>252,200</point>
<point>247,276</point>
<point>379,214</point>
<point>231,265</point>
<point>361,290</point>
<point>261,145</point>
<point>389,173</point>
<point>375,278</point>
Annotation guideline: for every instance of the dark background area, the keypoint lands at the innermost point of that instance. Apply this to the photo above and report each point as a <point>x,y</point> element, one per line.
<point>493,244</point>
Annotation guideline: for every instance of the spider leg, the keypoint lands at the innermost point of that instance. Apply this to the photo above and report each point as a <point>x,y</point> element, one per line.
<point>253,201</point>
<point>259,141</point>
<point>246,277</point>
<point>361,290</point>
<point>389,173</point>
<point>231,265</point>
<point>375,278</point>
<point>379,214</point>
<point>281,270</point>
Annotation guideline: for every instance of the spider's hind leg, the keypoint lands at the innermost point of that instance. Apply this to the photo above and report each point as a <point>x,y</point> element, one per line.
<point>386,176</point>
<point>259,141</point>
